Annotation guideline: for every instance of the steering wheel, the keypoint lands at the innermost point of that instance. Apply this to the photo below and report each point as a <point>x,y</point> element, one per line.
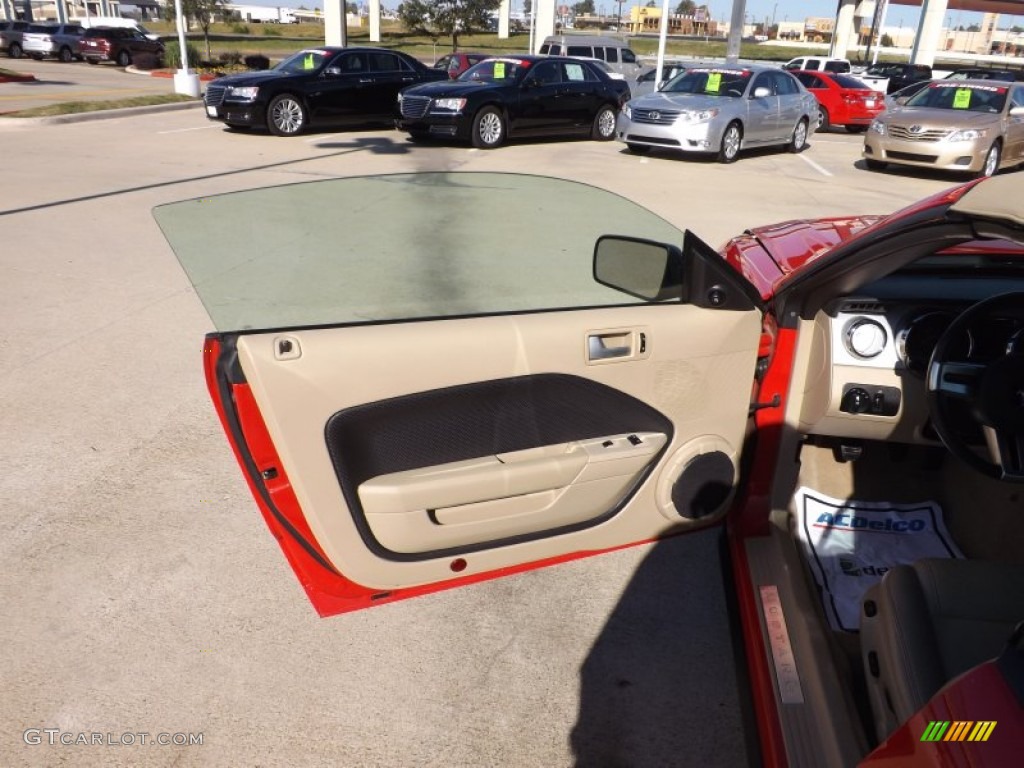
<point>992,390</point>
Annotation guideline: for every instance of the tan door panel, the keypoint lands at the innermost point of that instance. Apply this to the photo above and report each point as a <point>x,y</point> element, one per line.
<point>695,373</point>
<point>481,500</point>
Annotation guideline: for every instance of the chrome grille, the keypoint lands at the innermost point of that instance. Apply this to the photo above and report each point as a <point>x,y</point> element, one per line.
<point>215,95</point>
<point>655,116</point>
<point>923,134</point>
<point>415,107</point>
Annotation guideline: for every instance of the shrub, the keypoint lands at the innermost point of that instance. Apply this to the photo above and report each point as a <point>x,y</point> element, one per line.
<point>886,41</point>
<point>257,61</point>
<point>172,55</point>
<point>146,61</point>
<point>271,30</point>
<point>231,59</point>
<point>241,29</point>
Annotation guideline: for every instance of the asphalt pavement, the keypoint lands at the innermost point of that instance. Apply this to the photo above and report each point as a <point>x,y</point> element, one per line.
<point>141,591</point>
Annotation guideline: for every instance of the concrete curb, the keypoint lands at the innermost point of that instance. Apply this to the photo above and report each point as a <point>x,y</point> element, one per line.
<point>101,114</point>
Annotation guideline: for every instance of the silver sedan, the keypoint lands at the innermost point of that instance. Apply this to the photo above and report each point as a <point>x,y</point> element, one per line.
<point>721,109</point>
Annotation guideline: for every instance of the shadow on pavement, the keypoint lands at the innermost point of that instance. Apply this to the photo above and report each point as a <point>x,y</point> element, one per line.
<point>665,683</point>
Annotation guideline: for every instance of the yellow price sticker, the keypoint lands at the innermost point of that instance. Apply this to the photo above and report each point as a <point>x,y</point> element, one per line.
<point>499,70</point>
<point>962,98</point>
<point>714,82</point>
<point>308,62</point>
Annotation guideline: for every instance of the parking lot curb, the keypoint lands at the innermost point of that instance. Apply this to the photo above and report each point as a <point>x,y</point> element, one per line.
<point>100,114</point>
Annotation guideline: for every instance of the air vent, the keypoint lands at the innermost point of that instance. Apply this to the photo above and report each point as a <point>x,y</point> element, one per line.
<point>866,307</point>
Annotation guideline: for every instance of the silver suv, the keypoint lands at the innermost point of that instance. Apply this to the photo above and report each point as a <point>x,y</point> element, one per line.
<point>10,37</point>
<point>60,40</point>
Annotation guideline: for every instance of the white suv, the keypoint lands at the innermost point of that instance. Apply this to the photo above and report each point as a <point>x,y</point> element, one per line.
<point>819,63</point>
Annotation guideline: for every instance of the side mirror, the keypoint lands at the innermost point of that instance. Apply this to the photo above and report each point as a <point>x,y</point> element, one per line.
<point>645,269</point>
<point>762,93</point>
<point>333,71</point>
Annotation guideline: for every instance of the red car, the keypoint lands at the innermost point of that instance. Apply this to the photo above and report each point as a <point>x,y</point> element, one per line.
<point>842,99</point>
<point>118,44</point>
<point>459,62</point>
<point>450,398</point>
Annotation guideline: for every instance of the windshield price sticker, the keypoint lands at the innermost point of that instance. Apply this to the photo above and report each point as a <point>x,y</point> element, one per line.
<point>499,70</point>
<point>714,82</point>
<point>962,98</point>
<point>309,62</point>
<point>989,88</point>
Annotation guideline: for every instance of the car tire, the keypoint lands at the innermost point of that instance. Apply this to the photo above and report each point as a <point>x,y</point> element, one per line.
<point>14,51</point>
<point>640,149</point>
<point>856,128</point>
<point>65,55</point>
<point>876,165</point>
<point>823,120</point>
<point>798,142</point>
<point>991,164</point>
<point>124,59</point>
<point>285,115</point>
<point>604,124</point>
<point>488,129</point>
<point>731,140</point>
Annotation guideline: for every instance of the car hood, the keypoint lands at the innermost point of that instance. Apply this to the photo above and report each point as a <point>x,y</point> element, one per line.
<point>253,78</point>
<point>693,101</point>
<point>940,118</point>
<point>793,244</point>
<point>448,88</point>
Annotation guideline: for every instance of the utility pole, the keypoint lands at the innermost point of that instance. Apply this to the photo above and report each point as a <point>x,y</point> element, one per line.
<point>739,14</point>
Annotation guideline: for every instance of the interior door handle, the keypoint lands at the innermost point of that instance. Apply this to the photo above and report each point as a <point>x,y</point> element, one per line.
<point>604,347</point>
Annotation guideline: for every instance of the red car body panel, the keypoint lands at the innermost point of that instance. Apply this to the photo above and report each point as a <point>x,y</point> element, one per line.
<point>980,694</point>
<point>845,106</point>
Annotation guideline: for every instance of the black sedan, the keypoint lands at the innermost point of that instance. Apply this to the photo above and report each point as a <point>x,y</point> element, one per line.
<point>317,87</point>
<point>517,96</point>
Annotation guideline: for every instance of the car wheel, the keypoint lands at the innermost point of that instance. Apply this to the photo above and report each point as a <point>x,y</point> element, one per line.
<point>14,51</point>
<point>65,54</point>
<point>856,128</point>
<point>604,124</point>
<point>798,143</point>
<point>991,162</point>
<point>285,115</point>
<point>731,140</point>
<point>488,128</point>
<point>124,59</point>
<point>875,165</point>
<point>823,121</point>
<point>640,149</point>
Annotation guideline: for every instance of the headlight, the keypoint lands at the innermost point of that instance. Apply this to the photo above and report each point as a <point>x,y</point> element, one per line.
<point>450,105</point>
<point>877,126</point>
<point>628,112</point>
<point>968,134</point>
<point>699,117</point>
<point>243,94</point>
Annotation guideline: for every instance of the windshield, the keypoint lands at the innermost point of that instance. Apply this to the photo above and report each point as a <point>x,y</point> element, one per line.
<point>303,61</point>
<point>885,70</point>
<point>494,71</point>
<point>710,82</point>
<point>848,82</point>
<point>957,96</point>
<point>403,246</point>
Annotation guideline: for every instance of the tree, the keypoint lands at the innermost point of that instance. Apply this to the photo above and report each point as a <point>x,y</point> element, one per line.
<point>886,41</point>
<point>447,17</point>
<point>686,7</point>
<point>584,8</point>
<point>202,12</point>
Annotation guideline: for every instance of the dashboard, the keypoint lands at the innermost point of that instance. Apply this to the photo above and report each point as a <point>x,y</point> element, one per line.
<point>869,353</point>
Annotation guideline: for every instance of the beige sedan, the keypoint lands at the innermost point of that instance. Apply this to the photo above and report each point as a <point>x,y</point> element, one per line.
<point>973,126</point>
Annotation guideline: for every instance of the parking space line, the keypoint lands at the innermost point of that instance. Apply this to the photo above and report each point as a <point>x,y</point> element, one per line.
<point>186,130</point>
<point>814,165</point>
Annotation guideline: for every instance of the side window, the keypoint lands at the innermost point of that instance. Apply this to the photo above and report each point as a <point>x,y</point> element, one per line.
<point>611,55</point>
<point>547,73</point>
<point>545,50</point>
<point>785,85</point>
<point>764,80</point>
<point>578,73</point>
<point>813,64</point>
<point>444,62</point>
<point>354,63</point>
<point>384,62</point>
<point>809,80</point>
<point>1017,97</point>
<point>628,57</point>
<point>581,50</point>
